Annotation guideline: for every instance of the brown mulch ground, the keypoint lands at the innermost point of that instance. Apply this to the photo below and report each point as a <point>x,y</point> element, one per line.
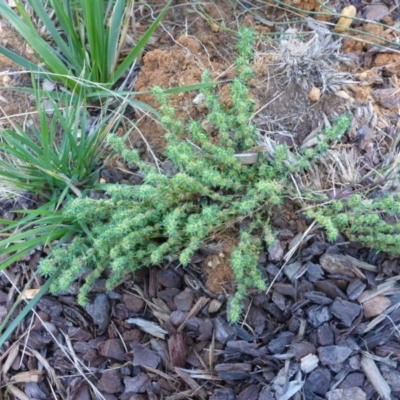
<point>327,326</point>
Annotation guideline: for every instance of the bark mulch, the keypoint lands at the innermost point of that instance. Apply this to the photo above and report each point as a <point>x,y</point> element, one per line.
<point>325,329</point>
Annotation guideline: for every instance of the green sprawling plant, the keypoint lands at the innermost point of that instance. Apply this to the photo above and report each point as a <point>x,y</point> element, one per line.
<point>371,222</point>
<point>83,40</point>
<point>49,161</point>
<point>142,225</point>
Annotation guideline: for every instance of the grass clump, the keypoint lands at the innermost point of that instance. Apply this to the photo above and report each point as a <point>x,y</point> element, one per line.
<point>83,42</point>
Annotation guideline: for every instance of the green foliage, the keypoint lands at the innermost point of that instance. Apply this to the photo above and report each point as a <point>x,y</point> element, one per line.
<point>51,159</point>
<point>57,155</point>
<point>87,40</point>
<point>371,222</point>
<point>139,226</point>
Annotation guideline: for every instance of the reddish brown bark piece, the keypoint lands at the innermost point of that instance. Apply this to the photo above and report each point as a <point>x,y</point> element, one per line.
<point>138,384</point>
<point>110,382</point>
<point>177,350</point>
<point>112,348</point>
<point>133,303</point>
<point>184,300</point>
<point>144,356</point>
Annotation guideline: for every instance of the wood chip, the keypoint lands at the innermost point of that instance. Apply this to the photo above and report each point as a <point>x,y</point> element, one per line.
<point>177,350</point>
<point>198,390</point>
<point>346,265</point>
<point>383,288</point>
<point>375,377</point>
<point>201,302</point>
<point>309,363</point>
<point>28,376</point>
<point>149,327</point>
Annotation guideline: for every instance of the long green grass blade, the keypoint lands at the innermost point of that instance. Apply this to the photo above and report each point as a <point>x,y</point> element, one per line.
<point>74,50</point>
<point>41,47</point>
<point>25,311</point>
<point>131,57</point>
<point>24,63</point>
<point>93,19</point>
<point>37,5</point>
<point>114,34</point>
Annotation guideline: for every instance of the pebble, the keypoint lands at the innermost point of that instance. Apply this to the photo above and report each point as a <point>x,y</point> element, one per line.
<point>346,19</point>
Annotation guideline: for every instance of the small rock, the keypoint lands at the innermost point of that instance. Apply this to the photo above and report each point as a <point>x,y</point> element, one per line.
<point>333,354</point>
<point>346,19</point>
<point>376,306</point>
<point>214,306</point>
<point>315,94</point>
<point>6,80</point>
<point>375,12</point>
<point>309,363</point>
